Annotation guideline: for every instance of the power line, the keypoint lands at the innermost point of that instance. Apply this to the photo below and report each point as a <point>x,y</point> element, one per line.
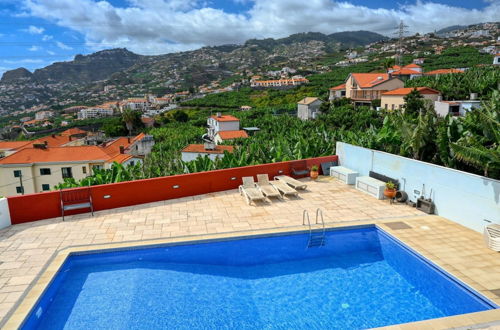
<point>401,30</point>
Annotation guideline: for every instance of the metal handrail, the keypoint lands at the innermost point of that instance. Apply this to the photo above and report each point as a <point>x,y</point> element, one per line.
<point>318,213</point>
<point>305,215</point>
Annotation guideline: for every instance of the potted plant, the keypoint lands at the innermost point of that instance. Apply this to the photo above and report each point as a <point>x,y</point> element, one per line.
<point>390,190</point>
<point>314,172</point>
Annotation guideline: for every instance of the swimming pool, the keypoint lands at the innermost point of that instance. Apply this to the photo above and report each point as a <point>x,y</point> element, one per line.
<point>361,278</point>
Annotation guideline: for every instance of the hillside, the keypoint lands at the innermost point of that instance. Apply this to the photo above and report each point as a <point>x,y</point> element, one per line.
<point>81,79</point>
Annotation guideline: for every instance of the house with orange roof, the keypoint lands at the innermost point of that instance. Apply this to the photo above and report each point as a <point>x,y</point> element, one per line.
<point>42,164</point>
<point>212,151</point>
<point>220,122</point>
<point>395,99</point>
<point>406,72</point>
<point>337,92</point>
<point>363,88</point>
<point>279,82</point>
<point>75,132</point>
<point>224,136</point>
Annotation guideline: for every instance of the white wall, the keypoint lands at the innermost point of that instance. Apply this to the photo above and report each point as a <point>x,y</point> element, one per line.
<point>4,213</point>
<point>462,197</point>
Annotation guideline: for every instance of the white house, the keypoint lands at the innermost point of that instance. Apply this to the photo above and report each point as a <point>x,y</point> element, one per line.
<point>308,108</point>
<point>221,122</point>
<point>455,108</point>
<point>42,115</point>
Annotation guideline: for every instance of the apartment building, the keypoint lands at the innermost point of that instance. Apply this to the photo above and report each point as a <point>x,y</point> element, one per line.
<point>90,113</point>
<point>279,82</point>
<point>43,115</point>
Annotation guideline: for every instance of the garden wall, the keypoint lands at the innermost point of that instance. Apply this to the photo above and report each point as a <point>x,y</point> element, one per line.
<point>471,200</point>
<point>4,213</point>
<point>46,205</point>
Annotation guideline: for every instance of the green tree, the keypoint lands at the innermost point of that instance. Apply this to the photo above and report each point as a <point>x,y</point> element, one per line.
<point>414,103</point>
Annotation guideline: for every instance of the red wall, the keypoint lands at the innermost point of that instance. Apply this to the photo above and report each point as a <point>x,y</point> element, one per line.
<point>47,205</point>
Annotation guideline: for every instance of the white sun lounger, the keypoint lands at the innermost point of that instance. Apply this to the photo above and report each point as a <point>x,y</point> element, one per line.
<point>250,191</point>
<point>284,188</point>
<point>266,187</point>
<point>492,237</point>
<point>292,182</point>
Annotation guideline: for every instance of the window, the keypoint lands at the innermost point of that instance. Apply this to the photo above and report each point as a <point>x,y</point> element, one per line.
<point>96,167</point>
<point>45,171</point>
<point>45,187</point>
<point>385,106</point>
<point>131,163</point>
<point>17,173</point>
<point>20,190</point>
<point>84,170</point>
<point>66,172</point>
<point>392,106</point>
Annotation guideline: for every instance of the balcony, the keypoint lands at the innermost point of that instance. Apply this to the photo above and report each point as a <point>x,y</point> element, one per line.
<point>366,95</point>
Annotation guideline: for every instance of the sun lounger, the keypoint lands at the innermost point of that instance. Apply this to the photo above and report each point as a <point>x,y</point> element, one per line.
<point>291,182</point>
<point>250,190</point>
<point>492,236</point>
<point>284,188</point>
<point>266,187</point>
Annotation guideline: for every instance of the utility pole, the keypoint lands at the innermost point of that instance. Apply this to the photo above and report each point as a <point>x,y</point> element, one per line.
<point>401,30</point>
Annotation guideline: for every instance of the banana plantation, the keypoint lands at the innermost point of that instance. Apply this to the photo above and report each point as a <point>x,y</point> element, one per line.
<point>470,143</point>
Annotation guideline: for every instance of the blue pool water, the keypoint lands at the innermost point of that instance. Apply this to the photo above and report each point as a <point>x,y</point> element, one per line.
<point>362,278</point>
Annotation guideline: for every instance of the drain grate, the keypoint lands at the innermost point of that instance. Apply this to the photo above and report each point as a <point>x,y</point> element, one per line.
<point>397,225</point>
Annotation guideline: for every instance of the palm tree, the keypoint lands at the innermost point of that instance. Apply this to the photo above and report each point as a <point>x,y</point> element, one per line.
<point>128,116</point>
<point>388,63</point>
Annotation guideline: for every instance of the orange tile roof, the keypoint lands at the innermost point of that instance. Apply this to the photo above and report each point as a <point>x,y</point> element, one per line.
<point>405,71</point>
<point>13,145</point>
<point>56,154</point>
<point>337,88</point>
<point>228,135</point>
<point>225,118</point>
<point>138,137</point>
<point>412,66</point>
<point>52,140</point>
<point>73,131</point>
<point>444,71</point>
<point>367,80</point>
<point>405,91</point>
<point>120,158</point>
<point>113,147</point>
<point>200,148</point>
<point>281,80</point>
<point>33,121</point>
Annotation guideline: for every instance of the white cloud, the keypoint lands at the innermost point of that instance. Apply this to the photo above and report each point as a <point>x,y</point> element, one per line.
<point>27,60</point>
<point>159,26</point>
<point>34,48</point>
<point>63,46</point>
<point>50,52</point>
<point>34,30</point>
<point>46,37</point>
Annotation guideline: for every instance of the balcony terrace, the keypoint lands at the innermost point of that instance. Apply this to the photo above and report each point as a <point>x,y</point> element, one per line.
<point>26,248</point>
<point>366,95</point>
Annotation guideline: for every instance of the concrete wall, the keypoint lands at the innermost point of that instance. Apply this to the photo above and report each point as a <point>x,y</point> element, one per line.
<point>469,199</point>
<point>391,102</point>
<point>4,213</point>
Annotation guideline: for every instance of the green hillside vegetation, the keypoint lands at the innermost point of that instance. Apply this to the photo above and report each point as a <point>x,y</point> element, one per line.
<point>470,143</point>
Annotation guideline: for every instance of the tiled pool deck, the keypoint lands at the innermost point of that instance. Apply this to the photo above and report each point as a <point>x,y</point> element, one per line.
<point>26,248</point>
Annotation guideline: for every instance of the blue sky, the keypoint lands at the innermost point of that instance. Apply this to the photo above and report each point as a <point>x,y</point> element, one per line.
<point>35,33</point>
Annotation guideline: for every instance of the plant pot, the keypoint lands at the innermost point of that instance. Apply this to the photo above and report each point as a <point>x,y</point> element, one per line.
<point>314,174</point>
<point>390,193</point>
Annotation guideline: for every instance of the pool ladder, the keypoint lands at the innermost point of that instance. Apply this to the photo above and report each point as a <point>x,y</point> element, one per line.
<point>315,238</point>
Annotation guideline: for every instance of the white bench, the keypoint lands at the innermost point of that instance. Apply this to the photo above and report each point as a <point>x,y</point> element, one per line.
<point>371,186</point>
<point>344,174</point>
